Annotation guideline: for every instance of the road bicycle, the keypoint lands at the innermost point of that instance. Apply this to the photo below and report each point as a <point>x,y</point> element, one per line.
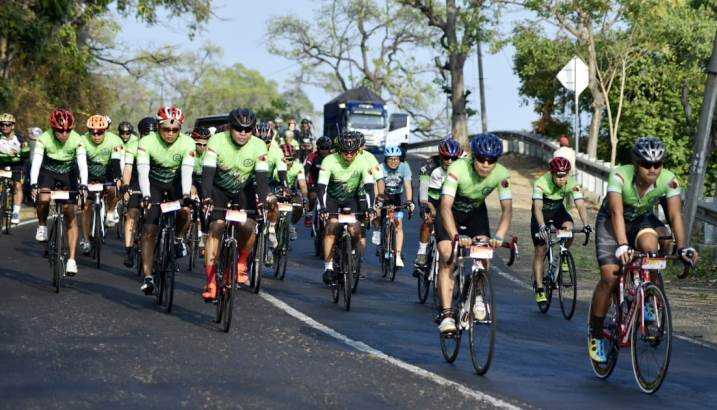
<point>346,258</point>
<point>7,198</point>
<point>57,243</point>
<point>387,249</point>
<point>258,257</point>
<point>555,276</point>
<point>428,275</point>
<point>193,236</point>
<point>97,231</point>
<point>474,307</point>
<point>639,317</point>
<point>165,253</point>
<point>317,232</point>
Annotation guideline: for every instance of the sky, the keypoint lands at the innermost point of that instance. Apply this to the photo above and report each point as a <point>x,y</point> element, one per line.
<point>247,45</point>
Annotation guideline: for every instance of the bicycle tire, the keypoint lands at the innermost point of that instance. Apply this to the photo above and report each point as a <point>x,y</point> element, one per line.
<point>158,272</point>
<point>219,302</point>
<point>137,244</point>
<point>119,226</point>
<point>655,333</point>
<point>193,240</point>
<point>482,285</point>
<point>229,288</point>
<point>611,328</point>
<point>281,252</point>
<point>53,251</point>
<point>170,271</point>
<point>6,209</point>
<point>392,252</point>
<point>423,285</point>
<point>258,261</point>
<point>347,271</point>
<point>97,237</point>
<point>567,293</point>
<point>451,342</point>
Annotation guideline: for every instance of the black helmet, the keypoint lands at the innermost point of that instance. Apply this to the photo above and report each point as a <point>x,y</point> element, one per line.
<point>125,128</point>
<point>649,149</point>
<point>201,133</point>
<point>350,141</point>
<point>305,121</point>
<point>242,118</point>
<point>264,131</point>
<point>324,143</point>
<point>146,125</point>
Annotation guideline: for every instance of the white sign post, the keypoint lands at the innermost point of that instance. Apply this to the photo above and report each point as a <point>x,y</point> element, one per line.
<point>574,77</point>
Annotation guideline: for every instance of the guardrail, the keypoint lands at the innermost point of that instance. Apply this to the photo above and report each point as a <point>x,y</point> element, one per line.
<point>591,174</point>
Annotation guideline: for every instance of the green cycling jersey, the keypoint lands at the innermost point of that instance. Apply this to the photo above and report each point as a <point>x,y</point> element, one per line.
<point>371,163</point>
<point>59,157</point>
<point>275,158</point>
<point>470,189</point>
<point>165,160</point>
<point>343,180</point>
<point>235,164</point>
<point>622,180</point>
<point>100,155</point>
<point>293,174</point>
<point>554,196</point>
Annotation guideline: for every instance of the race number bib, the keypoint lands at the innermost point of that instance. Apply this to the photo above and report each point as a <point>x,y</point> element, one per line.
<point>654,263</point>
<point>481,252</point>
<point>234,215</point>
<point>95,187</point>
<point>60,195</point>
<point>5,173</point>
<point>170,206</point>
<point>285,207</point>
<point>347,218</point>
<point>565,234</point>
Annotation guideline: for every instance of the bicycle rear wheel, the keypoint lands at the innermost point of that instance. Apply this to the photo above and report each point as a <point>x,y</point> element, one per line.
<point>611,332</point>
<point>651,342</point>
<point>567,286</point>
<point>482,329</point>
<point>347,271</point>
<point>423,287</point>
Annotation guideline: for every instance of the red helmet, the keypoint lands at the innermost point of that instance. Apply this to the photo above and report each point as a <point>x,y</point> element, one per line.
<point>62,119</point>
<point>170,115</point>
<point>288,150</point>
<point>559,165</point>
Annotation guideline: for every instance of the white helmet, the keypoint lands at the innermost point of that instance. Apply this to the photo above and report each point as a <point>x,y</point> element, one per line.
<point>649,149</point>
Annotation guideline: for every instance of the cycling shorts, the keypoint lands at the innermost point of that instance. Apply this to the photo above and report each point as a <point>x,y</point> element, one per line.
<point>18,171</point>
<point>54,181</point>
<point>605,243</point>
<point>559,217</point>
<point>245,199</point>
<point>156,191</point>
<point>471,224</point>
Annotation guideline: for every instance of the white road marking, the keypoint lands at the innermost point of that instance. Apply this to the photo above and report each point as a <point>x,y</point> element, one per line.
<point>29,221</point>
<point>363,347</point>
<point>524,285</point>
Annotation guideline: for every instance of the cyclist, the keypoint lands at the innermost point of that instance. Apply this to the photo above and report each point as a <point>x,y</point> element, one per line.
<point>235,171</point>
<point>397,180</point>
<point>104,157</point>
<point>463,214</point>
<point>165,162</point>
<point>626,221</point>
<point>431,178</point>
<point>295,181</point>
<point>201,137</point>
<point>58,157</point>
<point>305,139</point>
<point>550,192</point>
<point>312,165</point>
<point>275,161</point>
<point>130,182</point>
<point>340,184</point>
<point>376,171</point>
<point>14,151</point>
<point>146,125</point>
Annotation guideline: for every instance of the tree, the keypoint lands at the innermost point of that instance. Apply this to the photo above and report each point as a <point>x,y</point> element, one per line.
<point>353,43</point>
<point>460,25</point>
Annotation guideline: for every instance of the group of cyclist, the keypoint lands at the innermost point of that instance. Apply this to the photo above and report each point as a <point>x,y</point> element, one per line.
<point>251,165</point>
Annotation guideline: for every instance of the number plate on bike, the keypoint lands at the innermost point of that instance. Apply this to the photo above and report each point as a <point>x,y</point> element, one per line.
<point>60,195</point>
<point>236,215</point>
<point>565,234</point>
<point>170,206</point>
<point>95,187</point>
<point>5,173</point>
<point>654,263</point>
<point>347,218</point>
<point>481,252</point>
<point>285,207</point>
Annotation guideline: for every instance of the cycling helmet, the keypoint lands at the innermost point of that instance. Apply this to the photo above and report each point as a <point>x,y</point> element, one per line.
<point>362,140</point>
<point>7,117</point>
<point>125,128</point>
<point>147,125</point>
<point>242,118</point>
<point>487,145</point>
<point>324,144</point>
<point>304,121</point>
<point>201,133</point>
<point>98,122</point>
<point>350,141</point>
<point>649,149</point>
<point>264,131</point>
<point>170,115</point>
<point>559,165</point>
<point>392,151</point>
<point>62,119</point>
<point>449,148</point>
<point>288,150</point>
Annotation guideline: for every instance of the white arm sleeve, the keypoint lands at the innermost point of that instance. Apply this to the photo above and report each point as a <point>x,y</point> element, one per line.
<point>82,164</point>
<point>37,153</point>
<point>187,170</point>
<point>143,174</point>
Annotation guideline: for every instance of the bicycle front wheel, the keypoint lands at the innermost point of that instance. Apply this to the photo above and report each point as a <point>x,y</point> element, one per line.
<point>347,271</point>
<point>259,249</point>
<point>230,287</point>
<point>567,286</point>
<point>281,255</point>
<point>392,252</point>
<point>97,238</point>
<point>651,340</point>
<point>482,321</point>
<point>54,244</point>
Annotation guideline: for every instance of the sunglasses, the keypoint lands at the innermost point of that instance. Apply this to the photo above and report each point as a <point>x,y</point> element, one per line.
<point>200,145</point>
<point>489,160</point>
<point>98,132</point>
<point>126,133</point>
<point>6,124</point>
<point>449,158</point>
<point>62,130</point>
<point>560,174</point>
<point>648,164</point>
<point>245,130</point>
<point>354,152</point>
<point>289,159</point>
<point>171,130</point>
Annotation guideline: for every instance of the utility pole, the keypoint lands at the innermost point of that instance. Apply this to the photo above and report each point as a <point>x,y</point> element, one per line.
<point>481,87</point>
<point>701,149</point>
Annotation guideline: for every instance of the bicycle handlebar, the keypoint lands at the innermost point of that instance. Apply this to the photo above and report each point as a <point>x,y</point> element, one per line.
<point>512,245</point>
<point>640,254</point>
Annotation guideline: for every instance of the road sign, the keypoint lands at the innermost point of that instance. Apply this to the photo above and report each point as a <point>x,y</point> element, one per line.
<point>574,76</point>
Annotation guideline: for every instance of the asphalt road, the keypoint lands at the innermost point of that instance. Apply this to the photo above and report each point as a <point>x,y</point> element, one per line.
<point>100,343</point>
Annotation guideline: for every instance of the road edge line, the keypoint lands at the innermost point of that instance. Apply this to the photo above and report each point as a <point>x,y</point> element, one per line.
<point>524,285</point>
<point>363,347</point>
